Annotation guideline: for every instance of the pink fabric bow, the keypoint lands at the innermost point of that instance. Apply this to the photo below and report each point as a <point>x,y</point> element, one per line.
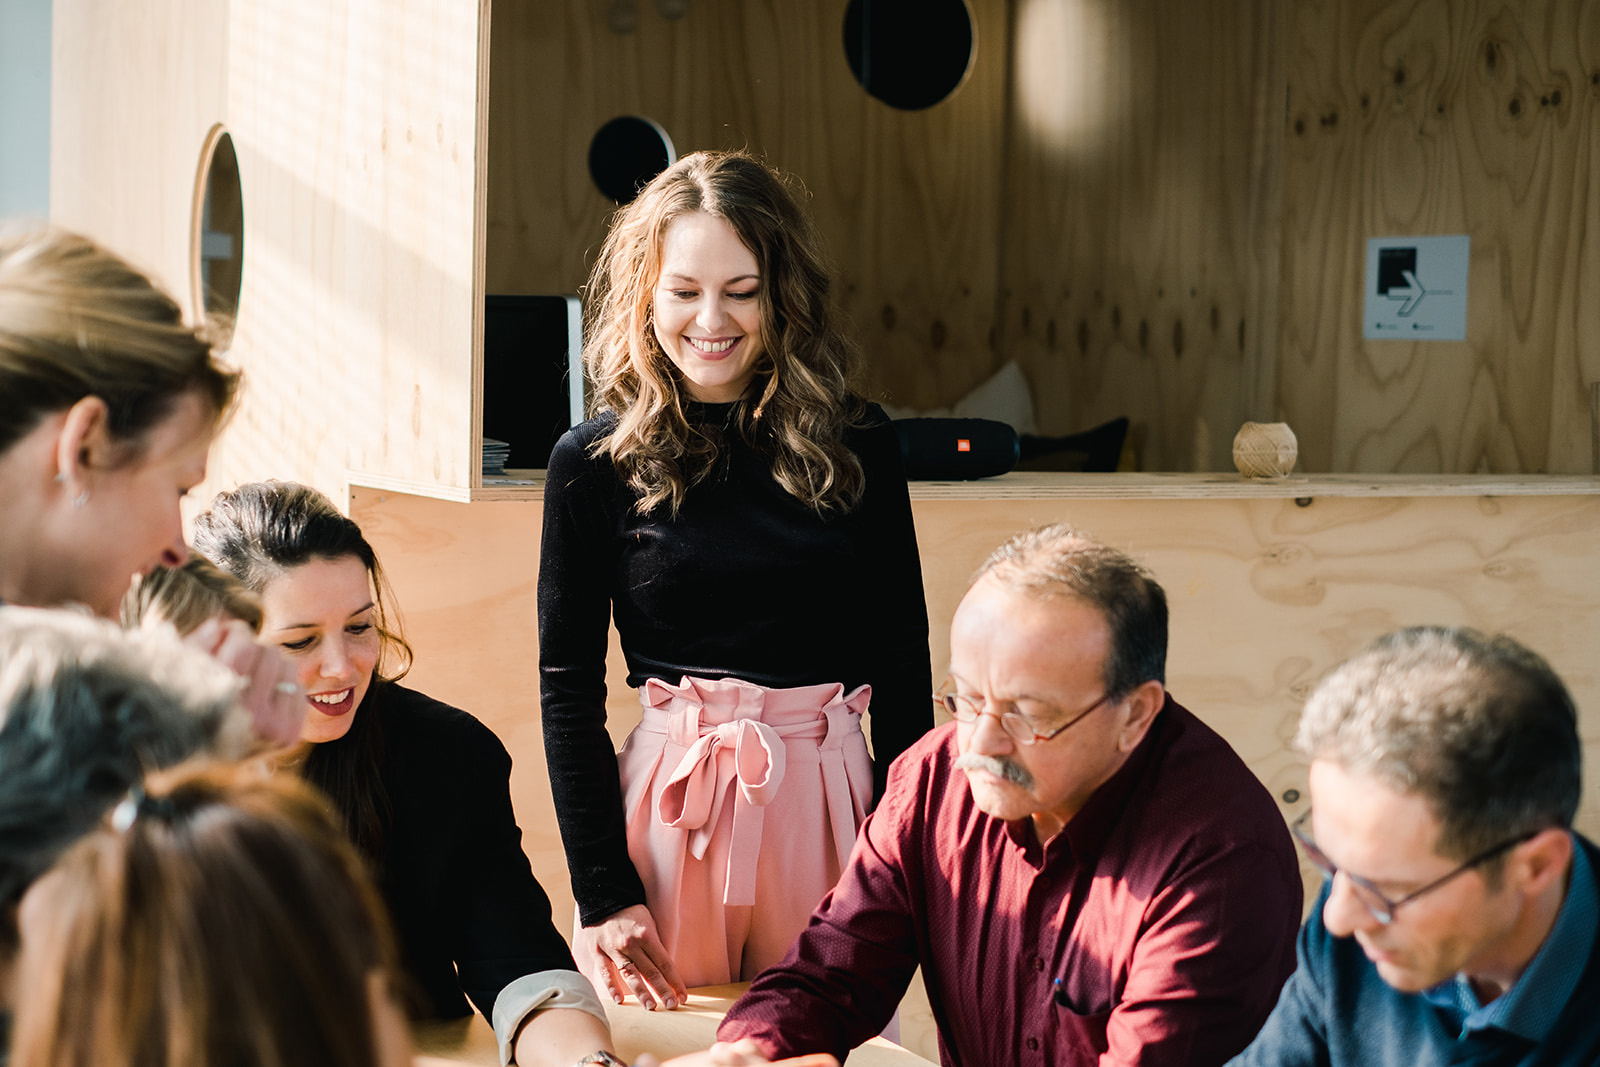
<point>745,751</point>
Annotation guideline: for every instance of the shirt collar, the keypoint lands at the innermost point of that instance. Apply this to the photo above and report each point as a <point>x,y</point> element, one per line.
<point>1533,1003</point>
<point>1086,832</point>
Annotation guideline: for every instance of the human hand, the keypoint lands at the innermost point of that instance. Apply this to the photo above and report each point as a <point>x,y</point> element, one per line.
<point>270,692</point>
<point>624,953</point>
<point>739,1053</point>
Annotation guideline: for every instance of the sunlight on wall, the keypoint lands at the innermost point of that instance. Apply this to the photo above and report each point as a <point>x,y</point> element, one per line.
<point>1067,56</point>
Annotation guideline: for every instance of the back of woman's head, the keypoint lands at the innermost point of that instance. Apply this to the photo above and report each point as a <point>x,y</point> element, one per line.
<point>85,709</point>
<point>77,321</point>
<point>187,595</point>
<point>219,919</point>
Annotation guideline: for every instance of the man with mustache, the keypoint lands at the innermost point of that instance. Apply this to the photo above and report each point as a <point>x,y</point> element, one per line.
<point>1458,921</point>
<point>1086,873</point>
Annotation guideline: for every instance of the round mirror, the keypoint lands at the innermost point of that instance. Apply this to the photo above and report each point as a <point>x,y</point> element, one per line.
<point>910,54</point>
<point>216,236</point>
<point>626,153</point>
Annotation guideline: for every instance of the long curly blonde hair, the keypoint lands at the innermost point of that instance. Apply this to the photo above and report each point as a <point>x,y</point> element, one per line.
<point>803,397</point>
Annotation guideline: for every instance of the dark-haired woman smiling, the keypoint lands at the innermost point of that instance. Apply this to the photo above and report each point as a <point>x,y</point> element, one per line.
<point>423,787</point>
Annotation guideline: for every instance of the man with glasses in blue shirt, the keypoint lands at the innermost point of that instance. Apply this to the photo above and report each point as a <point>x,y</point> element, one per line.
<point>1457,921</point>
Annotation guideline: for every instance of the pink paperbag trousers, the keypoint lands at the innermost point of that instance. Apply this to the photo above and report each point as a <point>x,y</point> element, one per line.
<point>742,804</point>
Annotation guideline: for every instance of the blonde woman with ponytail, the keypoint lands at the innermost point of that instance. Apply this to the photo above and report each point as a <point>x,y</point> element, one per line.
<point>740,512</point>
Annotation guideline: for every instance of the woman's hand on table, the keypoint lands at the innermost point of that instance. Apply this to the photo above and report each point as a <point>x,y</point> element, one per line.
<point>624,953</point>
<point>739,1053</point>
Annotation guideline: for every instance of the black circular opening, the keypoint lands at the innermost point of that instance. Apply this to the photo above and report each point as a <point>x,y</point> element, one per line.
<point>625,154</point>
<point>910,54</point>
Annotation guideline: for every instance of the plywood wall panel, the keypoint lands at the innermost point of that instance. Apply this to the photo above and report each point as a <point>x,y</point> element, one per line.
<point>1410,117</point>
<point>909,201</point>
<point>1140,242</point>
<point>134,90</point>
<point>355,123</point>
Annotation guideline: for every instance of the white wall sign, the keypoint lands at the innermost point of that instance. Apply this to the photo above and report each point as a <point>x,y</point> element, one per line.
<point>1416,289</point>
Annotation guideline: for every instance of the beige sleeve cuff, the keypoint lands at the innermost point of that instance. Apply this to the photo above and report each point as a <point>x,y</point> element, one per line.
<point>540,992</point>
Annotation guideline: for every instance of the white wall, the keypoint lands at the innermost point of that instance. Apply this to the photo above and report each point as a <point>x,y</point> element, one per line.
<point>25,108</point>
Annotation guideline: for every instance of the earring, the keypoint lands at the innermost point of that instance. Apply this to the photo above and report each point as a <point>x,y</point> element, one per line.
<point>78,501</point>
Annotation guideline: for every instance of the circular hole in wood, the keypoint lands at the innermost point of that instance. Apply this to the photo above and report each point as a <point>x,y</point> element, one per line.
<point>626,153</point>
<point>216,236</point>
<point>910,54</point>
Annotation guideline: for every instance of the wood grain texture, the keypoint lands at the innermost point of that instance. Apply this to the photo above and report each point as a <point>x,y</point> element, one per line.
<point>1042,485</point>
<point>355,123</point>
<point>1140,241</point>
<point>135,88</point>
<point>908,201</point>
<point>634,1031</point>
<point>1266,594</point>
<point>1418,117</point>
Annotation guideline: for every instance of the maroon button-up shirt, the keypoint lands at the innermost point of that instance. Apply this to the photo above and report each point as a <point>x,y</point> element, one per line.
<point>1156,928</point>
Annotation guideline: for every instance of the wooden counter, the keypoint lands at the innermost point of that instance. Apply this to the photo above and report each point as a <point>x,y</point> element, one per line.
<point>528,485</point>
<point>690,1028</point>
<point>1271,584</point>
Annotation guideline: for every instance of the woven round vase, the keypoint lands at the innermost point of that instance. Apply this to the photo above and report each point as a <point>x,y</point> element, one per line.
<point>1265,449</point>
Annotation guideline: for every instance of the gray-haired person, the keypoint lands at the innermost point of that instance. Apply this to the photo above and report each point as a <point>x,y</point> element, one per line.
<point>85,709</point>
<point>1458,919</point>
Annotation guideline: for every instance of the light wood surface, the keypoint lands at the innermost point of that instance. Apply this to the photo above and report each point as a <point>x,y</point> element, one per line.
<point>1267,594</point>
<point>356,124</point>
<point>528,486</point>
<point>135,88</point>
<point>690,1028</point>
<point>1472,117</point>
<point>1141,230</point>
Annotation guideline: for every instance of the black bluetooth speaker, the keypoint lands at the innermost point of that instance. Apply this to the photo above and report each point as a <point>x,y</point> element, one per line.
<point>956,449</point>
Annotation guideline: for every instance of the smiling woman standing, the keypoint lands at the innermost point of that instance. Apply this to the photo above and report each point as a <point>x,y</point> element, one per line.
<point>423,788</point>
<point>741,513</point>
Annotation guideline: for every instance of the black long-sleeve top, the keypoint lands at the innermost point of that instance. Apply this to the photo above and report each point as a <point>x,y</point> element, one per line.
<point>746,581</point>
<point>468,913</point>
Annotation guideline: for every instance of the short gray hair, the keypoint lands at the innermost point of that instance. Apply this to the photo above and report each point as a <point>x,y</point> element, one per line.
<point>1058,560</point>
<point>85,710</point>
<point>1479,727</point>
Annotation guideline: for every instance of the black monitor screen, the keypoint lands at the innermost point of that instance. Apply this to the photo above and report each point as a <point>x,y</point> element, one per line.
<point>532,373</point>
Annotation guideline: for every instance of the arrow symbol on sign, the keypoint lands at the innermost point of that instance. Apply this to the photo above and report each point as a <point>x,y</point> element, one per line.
<point>1411,295</point>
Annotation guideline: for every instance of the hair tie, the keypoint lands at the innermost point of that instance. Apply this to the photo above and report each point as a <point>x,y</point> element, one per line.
<point>139,803</point>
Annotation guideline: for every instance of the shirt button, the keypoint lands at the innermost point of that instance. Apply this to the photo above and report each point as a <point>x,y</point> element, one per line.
<point>1033,1044</point>
<point>1038,963</point>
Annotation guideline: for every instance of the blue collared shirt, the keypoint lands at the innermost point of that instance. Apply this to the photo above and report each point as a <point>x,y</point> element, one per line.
<point>1531,1006</point>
